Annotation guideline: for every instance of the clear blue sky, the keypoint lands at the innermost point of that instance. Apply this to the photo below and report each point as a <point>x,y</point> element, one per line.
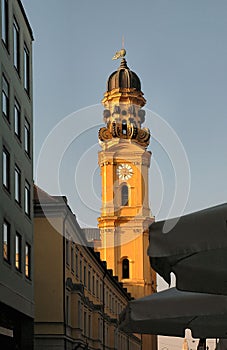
<point>179,50</point>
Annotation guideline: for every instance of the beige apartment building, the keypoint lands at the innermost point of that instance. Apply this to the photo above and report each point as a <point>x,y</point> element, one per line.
<point>77,299</point>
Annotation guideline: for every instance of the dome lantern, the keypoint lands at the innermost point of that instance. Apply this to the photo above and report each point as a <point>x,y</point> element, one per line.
<point>123,102</point>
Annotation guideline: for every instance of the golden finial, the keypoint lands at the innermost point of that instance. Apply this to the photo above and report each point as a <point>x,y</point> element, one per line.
<point>122,52</point>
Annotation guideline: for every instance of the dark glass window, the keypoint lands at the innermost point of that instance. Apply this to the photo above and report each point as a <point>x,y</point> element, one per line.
<point>85,323</point>
<point>124,195</point>
<point>97,288</point>
<point>27,198</point>
<point>28,260</point>
<point>27,137</point>
<point>80,270</point>
<point>67,309</point>
<point>17,119</point>
<point>77,263</point>
<point>6,169</point>
<point>5,22</point>
<point>18,251</point>
<point>6,241</point>
<point>5,97</point>
<point>79,313</point>
<point>72,258</point>
<point>85,276</point>
<point>67,251</point>
<point>101,292</point>
<point>17,184</point>
<point>16,45</point>
<point>124,127</point>
<point>89,325</point>
<point>93,284</point>
<point>26,69</point>
<point>110,306</point>
<point>89,280</point>
<point>125,268</point>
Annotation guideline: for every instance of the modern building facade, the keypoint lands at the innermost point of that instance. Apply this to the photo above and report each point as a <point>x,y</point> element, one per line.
<point>16,178</point>
<point>124,163</point>
<point>77,300</point>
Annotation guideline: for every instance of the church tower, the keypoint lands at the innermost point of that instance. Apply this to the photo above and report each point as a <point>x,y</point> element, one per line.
<point>124,164</point>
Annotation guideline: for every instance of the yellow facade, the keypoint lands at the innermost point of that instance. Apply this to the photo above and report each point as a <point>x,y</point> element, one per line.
<point>123,228</point>
<point>77,300</point>
<point>124,165</point>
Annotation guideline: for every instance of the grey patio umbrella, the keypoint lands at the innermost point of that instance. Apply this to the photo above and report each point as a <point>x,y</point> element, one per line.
<point>195,250</point>
<point>171,311</point>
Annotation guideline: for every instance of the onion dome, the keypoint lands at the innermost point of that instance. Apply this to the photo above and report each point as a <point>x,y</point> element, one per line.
<point>123,78</point>
<point>123,102</point>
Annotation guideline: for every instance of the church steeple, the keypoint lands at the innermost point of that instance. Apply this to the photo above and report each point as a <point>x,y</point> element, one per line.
<point>124,163</point>
<point>123,102</point>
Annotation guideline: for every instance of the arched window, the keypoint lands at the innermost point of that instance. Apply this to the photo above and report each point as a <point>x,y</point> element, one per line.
<point>125,268</point>
<point>124,127</point>
<point>124,195</point>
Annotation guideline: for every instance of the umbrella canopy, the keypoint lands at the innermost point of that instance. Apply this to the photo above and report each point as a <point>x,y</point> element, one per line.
<point>195,250</point>
<point>171,311</point>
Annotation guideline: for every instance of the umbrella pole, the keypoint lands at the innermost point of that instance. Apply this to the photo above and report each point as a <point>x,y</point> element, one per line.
<point>202,344</point>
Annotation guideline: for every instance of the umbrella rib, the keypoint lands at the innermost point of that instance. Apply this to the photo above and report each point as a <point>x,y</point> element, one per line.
<point>183,258</point>
<point>173,264</point>
<point>188,324</point>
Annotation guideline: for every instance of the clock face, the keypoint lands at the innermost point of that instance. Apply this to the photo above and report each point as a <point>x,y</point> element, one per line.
<point>124,171</point>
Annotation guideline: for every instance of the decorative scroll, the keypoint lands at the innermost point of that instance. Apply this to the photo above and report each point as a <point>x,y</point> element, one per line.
<point>143,136</point>
<point>105,134</point>
<point>125,131</point>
